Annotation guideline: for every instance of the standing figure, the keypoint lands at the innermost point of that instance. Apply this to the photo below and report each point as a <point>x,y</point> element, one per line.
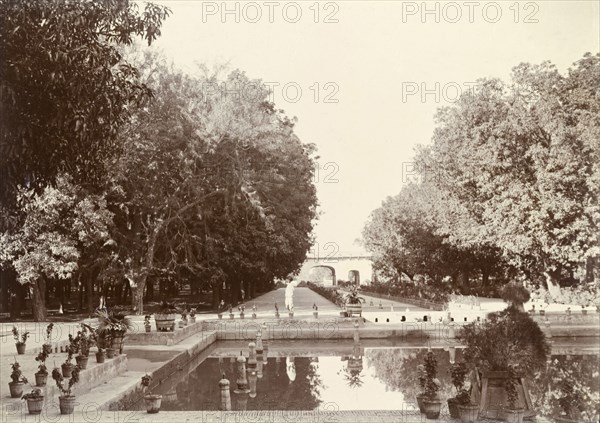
<point>289,295</point>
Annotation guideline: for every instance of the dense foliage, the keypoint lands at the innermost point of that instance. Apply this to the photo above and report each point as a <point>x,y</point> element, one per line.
<point>119,172</point>
<point>508,341</point>
<point>510,186</point>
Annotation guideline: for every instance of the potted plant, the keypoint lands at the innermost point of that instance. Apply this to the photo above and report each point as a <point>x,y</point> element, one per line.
<point>513,413</point>
<point>291,312</point>
<point>467,410</point>
<point>42,374</point>
<point>35,400</point>
<point>422,380</point>
<point>18,380</point>
<point>276,311</point>
<point>354,302</point>
<point>183,321</point>
<point>315,311</point>
<point>67,366</point>
<point>165,318</point>
<point>241,310</point>
<point>147,325</point>
<point>83,341</point>
<point>67,399</point>
<point>432,404</point>
<point>231,316</point>
<point>100,355</point>
<point>114,326</point>
<point>192,315</point>
<point>507,345</point>
<point>48,338</point>
<point>254,311</point>
<point>21,342</point>
<point>152,400</point>
<point>458,375</point>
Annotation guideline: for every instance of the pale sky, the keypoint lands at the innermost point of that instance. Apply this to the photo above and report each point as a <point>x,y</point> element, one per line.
<point>372,66</point>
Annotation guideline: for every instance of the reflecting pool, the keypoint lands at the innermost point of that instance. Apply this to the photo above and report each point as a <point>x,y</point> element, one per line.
<point>347,376</point>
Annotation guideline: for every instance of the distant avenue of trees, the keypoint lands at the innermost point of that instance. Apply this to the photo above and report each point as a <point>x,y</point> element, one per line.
<point>119,174</point>
<point>509,187</point>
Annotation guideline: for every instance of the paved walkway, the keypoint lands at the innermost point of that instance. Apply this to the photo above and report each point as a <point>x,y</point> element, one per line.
<point>304,298</point>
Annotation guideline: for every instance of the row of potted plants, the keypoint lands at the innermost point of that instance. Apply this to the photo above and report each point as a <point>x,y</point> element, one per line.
<point>108,338</point>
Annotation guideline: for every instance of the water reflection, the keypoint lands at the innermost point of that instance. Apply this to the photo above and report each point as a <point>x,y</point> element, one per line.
<point>370,379</point>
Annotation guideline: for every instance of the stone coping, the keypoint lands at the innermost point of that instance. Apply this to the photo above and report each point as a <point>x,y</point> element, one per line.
<point>163,338</point>
<point>251,416</point>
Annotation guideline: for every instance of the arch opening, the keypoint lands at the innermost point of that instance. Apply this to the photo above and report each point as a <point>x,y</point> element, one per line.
<point>322,275</point>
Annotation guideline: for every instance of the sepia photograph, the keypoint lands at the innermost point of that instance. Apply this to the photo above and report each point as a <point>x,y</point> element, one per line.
<point>301,211</point>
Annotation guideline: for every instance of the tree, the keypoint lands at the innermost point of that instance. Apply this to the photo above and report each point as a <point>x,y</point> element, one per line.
<point>521,162</point>
<point>404,236</point>
<point>64,88</point>
<point>64,91</point>
<point>59,225</point>
<point>204,183</point>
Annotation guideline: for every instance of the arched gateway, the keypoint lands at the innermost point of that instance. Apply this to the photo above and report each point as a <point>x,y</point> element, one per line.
<point>356,268</point>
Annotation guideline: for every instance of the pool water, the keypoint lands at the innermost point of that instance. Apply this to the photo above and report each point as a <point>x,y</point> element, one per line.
<point>362,378</point>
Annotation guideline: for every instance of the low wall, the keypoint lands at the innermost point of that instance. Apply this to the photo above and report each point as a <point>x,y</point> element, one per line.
<point>163,338</point>
<point>419,303</point>
<point>133,395</point>
<point>96,374</point>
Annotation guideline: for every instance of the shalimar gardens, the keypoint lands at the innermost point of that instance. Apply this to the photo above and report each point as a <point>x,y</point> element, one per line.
<point>299,212</point>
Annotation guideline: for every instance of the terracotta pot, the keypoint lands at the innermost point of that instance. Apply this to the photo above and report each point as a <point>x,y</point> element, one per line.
<point>165,322</point>
<point>110,353</point>
<point>316,314</point>
<point>34,405</point>
<point>16,389</point>
<point>67,369</point>
<point>117,343</point>
<point>100,357</point>
<point>21,347</point>
<point>513,416</point>
<point>192,319</point>
<point>241,315</point>
<point>40,379</point>
<point>453,408</point>
<point>432,408</point>
<point>82,361</point>
<point>181,324</point>
<point>220,315</point>
<point>277,315</point>
<point>420,398</point>
<point>152,403</point>
<point>352,309</point>
<point>148,328</point>
<point>542,312</point>
<point>66,404</point>
<point>468,413</point>
<point>231,316</point>
<point>291,315</point>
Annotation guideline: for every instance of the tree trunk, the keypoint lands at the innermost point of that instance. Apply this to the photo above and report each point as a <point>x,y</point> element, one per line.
<point>552,285</point>
<point>39,300</point>
<point>216,296</point>
<point>150,291</point>
<point>485,277</point>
